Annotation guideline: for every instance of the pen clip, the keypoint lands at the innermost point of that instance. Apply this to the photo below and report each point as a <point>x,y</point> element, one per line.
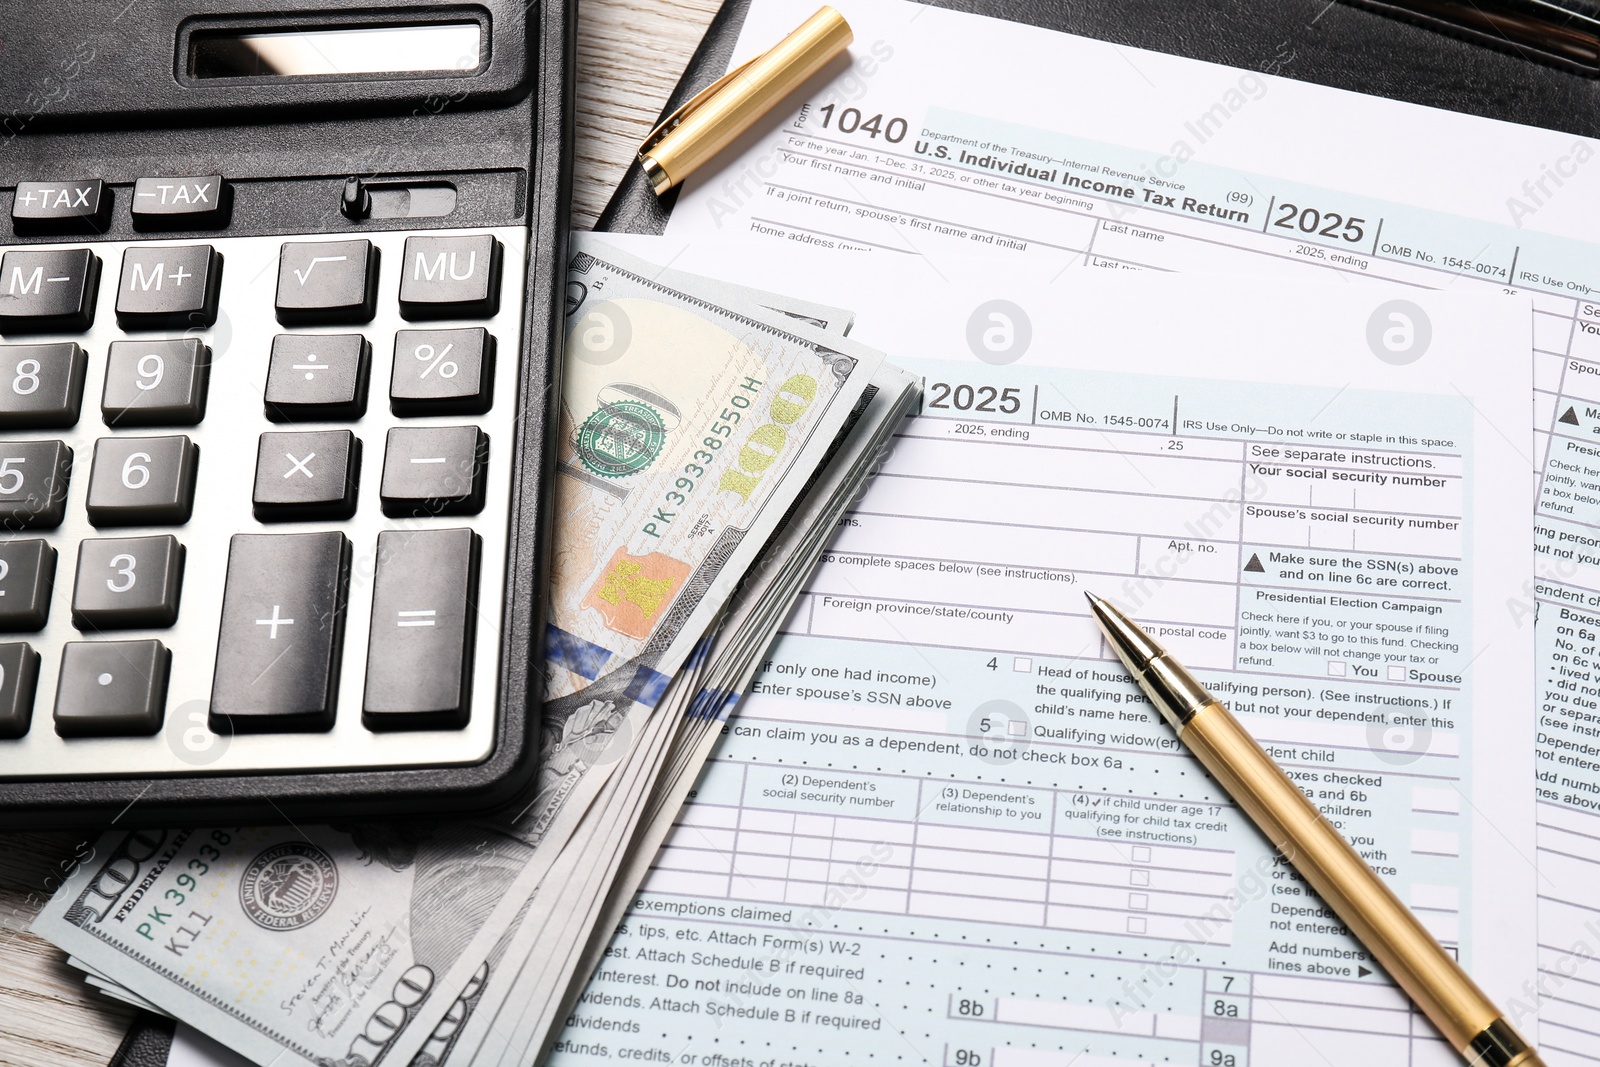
<point>697,100</point>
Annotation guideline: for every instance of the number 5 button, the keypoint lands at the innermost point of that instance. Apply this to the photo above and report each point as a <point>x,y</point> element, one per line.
<point>141,480</point>
<point>127,582</point>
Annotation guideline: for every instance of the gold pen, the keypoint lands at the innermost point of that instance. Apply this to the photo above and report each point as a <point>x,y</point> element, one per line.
<point>733,103</point>
<point>1431,978</point>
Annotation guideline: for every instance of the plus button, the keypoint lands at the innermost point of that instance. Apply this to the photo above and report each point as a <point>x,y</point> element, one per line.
<point>274,622</point>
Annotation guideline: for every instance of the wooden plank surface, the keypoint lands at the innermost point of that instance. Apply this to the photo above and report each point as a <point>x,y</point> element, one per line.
<point>630,53</point>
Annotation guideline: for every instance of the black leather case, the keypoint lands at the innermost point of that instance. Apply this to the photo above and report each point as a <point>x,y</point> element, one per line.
<point>1310,40</point>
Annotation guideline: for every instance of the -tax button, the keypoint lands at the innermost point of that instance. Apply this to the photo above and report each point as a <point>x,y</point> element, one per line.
<point>195,203</point>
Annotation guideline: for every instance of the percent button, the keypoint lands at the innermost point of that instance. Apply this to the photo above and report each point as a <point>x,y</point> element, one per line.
<point>442,372</point>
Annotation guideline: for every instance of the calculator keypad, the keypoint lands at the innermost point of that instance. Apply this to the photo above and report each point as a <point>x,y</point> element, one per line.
<point>183,508</point>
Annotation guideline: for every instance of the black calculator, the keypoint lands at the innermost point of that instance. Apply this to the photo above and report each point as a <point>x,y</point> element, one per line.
<point>278,355</point>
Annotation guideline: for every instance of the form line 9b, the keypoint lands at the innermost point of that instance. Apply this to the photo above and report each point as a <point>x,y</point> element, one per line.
<point>850,121</point>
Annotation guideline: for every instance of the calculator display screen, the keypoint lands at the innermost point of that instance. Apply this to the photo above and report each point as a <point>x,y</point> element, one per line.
<point>447,47</point>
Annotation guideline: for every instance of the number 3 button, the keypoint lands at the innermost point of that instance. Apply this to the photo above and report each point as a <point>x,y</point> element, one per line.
<point>127,582</point>
<point>142,480</point>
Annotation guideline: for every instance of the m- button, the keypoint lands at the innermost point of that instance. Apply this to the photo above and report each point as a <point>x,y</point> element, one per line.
<point>61,207</point>
<point>450,277</point>
<point>48,291</point>
<point>195,203</point>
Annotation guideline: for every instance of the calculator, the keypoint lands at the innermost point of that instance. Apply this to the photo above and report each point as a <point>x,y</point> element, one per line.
<point>279,313</point>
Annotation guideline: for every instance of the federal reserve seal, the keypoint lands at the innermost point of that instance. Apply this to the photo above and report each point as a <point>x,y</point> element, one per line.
<point>288,886</point>
<point>622,437</point>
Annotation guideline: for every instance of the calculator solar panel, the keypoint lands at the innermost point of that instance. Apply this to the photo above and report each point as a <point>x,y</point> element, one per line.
<point>276,348</point>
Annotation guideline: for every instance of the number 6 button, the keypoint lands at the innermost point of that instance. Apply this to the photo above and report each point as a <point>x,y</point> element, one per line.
<point>142,480</point>
<point>127,582</point>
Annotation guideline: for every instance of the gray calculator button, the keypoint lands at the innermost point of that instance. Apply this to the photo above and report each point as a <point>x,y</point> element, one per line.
<point>434,470</point>
<point>194,203</point>
<point>312,377</point>
<point>111,687</point>
<point>327,281</point>
<point>168,286</point>
<point>156,383</point>
<point>41,385</point>
<point>419,654</point>
<point>306,475</point>
<point>79,206</point>
<point>19,680</point>
<point>49,290</point>
<point>27,576</point>
<point>136,481</point>
<point>439,372</point>
<point>127,582</point>
<point>450,277</point>
<point>33,484</point>
<point>282,632</point>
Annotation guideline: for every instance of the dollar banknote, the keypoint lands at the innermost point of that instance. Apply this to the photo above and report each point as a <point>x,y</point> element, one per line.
<point>692,417</point>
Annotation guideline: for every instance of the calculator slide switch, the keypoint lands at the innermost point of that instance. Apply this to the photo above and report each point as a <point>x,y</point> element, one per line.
<point>41,385</point>
<point>282,632</point>
<point>419,656</point>
<point>327,281</point>
<point>48,291</point>
<point>171,286</point>
<point>19,680</point>
<point>27,577</point>
<point>112,687</point>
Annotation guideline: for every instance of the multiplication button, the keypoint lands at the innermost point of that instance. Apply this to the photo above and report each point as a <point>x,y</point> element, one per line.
<point>312,377</point>
<point>419,655</point>
<point>308,475</point>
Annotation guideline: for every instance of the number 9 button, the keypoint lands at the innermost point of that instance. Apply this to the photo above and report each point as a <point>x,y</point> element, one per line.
<point>155,383</point>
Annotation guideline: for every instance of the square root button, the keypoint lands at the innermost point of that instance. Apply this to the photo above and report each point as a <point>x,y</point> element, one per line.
<point>327,281</point>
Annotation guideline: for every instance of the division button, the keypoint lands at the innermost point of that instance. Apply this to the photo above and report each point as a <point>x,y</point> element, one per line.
<point>434,470</point>
<point>307,475</point>
<point>419,655</point>
<point>127,582</point>
<point>156,383</point>
<point>450,277</point>
<point>33,484</point>
<point>19,680</point>
<point>317,377</point>
<point>196,203</point>
<point>41,385</point>
<point>282,629</point>
<point>82,206</point>
<point>138,481</point>
<point>171,286</point>
<point>27,576</point>
<point>112,687</point>
<point>48,291</point>
<point>327,281</point>
<point>440,372</point>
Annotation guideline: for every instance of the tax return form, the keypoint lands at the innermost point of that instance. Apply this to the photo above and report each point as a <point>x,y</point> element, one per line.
<point>945,828</point>
<point>1074,151</point>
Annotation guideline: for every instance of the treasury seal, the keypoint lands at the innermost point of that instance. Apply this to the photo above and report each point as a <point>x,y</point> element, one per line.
<point>288,886</point>
<point>622,437</point>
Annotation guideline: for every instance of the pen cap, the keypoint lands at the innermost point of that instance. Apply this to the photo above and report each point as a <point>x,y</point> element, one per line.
<point>708,126</point>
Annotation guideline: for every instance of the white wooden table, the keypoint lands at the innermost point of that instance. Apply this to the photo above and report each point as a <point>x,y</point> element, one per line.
<point>630,53</point>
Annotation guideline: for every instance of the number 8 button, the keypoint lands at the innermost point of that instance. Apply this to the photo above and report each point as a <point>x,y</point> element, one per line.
<point>142,480</point>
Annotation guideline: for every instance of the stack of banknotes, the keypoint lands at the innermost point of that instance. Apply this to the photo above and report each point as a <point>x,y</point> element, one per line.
<point>711,437</point>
